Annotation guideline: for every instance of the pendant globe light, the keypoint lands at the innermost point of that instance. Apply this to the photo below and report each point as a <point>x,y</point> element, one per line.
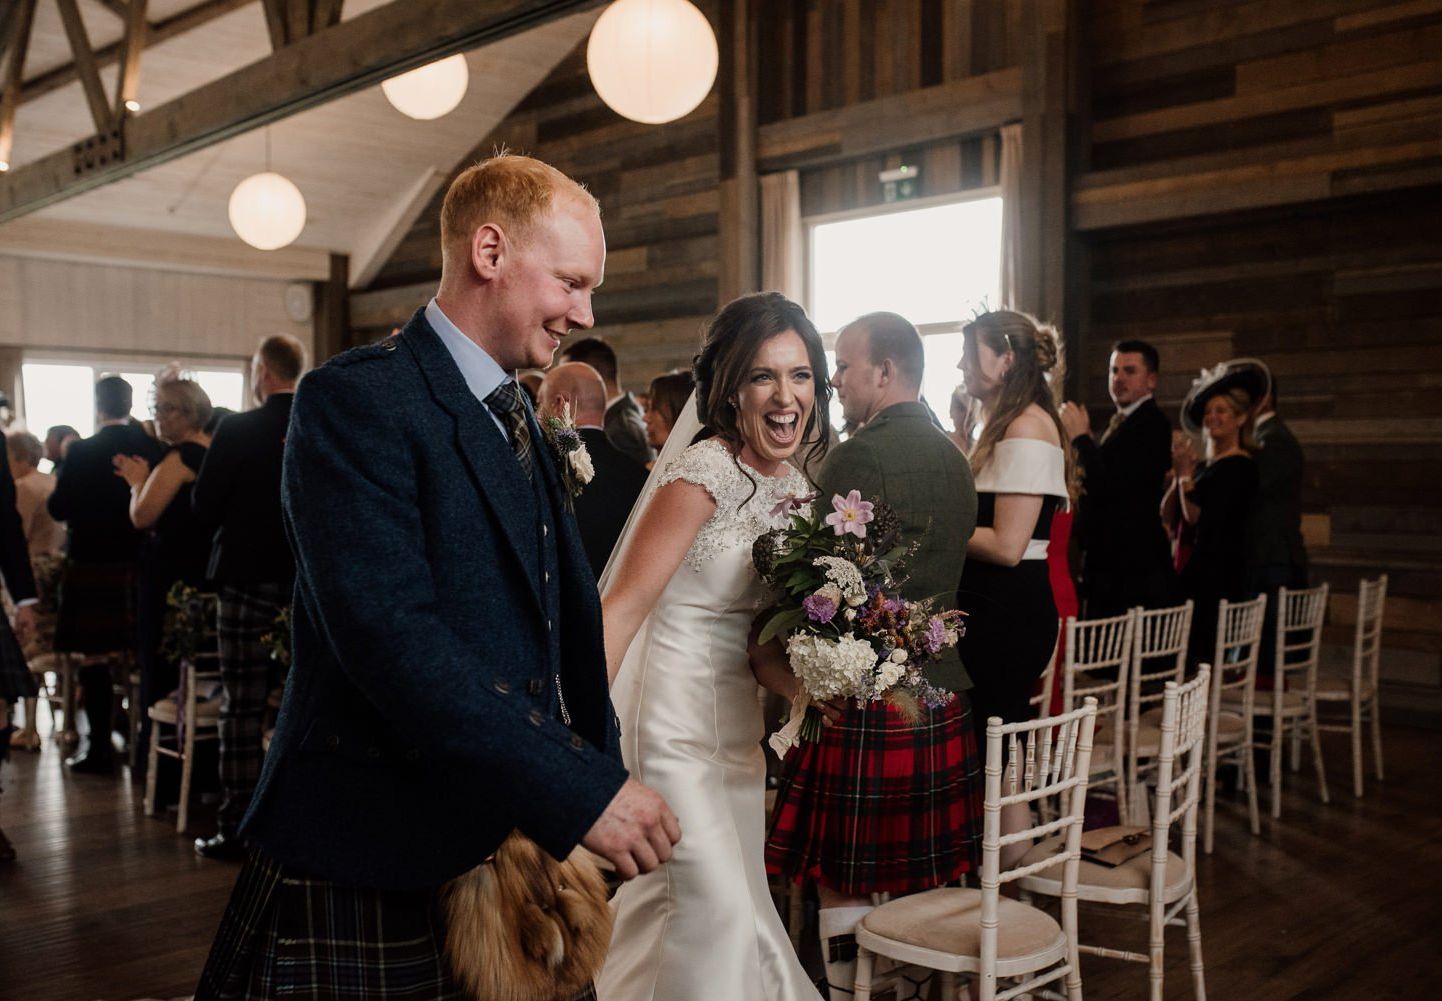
<point>652,61</point>
<point>429,91</point>
<point>267,210</point>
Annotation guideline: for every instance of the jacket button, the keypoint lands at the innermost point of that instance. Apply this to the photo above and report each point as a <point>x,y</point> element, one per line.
<point>577,742</point>
<point>389,344</point>
<point>502,686</point>
<point>536,717</point>
<point>413,755</point>
<point>536,686</point>
<point>373,753</point>
<point>545,530</point>
<point>332,741</point>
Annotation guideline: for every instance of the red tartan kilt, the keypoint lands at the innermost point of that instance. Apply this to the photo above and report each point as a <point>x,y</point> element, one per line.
<point>879,805</point>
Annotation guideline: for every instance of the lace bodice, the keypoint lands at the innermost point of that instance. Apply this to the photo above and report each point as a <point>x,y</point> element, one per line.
<point>740,516</point>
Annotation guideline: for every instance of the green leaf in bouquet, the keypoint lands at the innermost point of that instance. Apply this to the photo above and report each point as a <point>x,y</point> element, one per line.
<point>800,578</point>
<point>780,623</point>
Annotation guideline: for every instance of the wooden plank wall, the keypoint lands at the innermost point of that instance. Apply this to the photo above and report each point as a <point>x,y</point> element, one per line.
<point>1266,179</point>
<point>947,167</point>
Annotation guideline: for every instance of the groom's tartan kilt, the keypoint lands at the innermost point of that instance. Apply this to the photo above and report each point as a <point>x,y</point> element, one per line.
<point>284,935</point>
<point>880,805</point>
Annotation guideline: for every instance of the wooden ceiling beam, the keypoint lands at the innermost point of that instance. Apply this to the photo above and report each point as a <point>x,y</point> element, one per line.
<point>159,31</point>
<point>119,8</point>
<point>127,84</point>
<point>276,23</point>
<point>340,60</point>
<point>16,42</point>
<point>85,65</point>
<point>325,14</point>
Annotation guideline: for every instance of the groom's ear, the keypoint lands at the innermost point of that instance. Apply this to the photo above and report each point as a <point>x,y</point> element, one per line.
<point>488,250</point>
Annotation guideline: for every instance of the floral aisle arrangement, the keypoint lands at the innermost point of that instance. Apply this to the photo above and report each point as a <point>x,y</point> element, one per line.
<point>848,632</point>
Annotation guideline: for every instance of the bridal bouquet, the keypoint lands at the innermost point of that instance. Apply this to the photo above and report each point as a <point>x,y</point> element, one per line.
<point>847,630</point>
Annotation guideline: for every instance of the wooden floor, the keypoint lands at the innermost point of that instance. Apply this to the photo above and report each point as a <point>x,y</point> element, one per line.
<point>1343,901</point>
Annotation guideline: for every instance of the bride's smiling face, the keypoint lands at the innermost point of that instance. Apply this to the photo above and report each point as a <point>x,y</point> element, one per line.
<point>774,402</point>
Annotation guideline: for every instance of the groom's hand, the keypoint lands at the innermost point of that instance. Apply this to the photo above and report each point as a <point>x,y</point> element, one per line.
<point>636,831</point>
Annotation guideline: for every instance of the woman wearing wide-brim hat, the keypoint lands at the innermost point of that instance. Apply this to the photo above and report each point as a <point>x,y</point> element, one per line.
<point>1212,498</point>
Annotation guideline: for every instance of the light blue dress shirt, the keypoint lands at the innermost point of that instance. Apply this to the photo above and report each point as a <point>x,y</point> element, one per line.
<point>483,376</point>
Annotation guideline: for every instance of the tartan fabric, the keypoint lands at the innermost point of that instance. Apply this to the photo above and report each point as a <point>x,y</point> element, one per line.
<point>96,608</point>
<point>505,400</point>
<point>284,935</point>
<point>245,615</point>
<point>878,805</point>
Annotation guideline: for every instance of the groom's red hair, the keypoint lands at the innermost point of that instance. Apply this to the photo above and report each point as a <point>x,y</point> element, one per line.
<point>509,190</point>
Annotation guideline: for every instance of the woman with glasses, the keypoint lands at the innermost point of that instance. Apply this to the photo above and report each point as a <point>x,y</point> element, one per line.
<point>177,547</point>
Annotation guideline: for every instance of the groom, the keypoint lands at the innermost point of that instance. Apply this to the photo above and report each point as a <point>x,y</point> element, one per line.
<point>448,681</point>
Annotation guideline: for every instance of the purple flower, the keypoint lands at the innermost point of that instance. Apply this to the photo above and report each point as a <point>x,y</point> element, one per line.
<point>790,503</point>
<point>819,608</point>
<point>893,606</point>
<point>935,635</point>
<point>851,514</point>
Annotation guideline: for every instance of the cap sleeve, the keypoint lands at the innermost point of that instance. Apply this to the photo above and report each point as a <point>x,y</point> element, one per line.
<point>706,464</point>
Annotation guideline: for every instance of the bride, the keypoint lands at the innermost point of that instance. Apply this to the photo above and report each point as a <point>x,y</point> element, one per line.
<point>679,597</point>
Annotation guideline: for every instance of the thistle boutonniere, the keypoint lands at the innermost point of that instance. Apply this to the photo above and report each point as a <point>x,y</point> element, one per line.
<point>569,450</point>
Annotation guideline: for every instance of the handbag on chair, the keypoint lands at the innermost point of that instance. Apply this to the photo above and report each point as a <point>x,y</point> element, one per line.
<point>1111,846</point>
<point>523,927</point>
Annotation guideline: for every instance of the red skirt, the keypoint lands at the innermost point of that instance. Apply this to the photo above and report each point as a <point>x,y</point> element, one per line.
<point>880,805</point>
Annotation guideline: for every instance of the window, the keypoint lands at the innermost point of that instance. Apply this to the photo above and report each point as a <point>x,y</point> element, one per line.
<point>934,262</point>
<point>59,392</point>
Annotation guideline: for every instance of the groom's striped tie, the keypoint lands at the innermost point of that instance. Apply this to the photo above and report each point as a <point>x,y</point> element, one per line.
<point>505,402</point>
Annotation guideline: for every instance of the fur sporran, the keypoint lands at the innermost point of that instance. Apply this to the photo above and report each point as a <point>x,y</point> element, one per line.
<point>523,927</point>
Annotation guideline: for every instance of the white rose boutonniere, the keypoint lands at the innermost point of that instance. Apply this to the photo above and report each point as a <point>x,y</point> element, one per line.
<point>569,451</point>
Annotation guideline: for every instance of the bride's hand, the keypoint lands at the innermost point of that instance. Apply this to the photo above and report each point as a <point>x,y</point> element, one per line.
<point>831,710</point>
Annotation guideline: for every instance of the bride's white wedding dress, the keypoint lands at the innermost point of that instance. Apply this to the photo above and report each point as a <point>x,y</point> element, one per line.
<point>703,926</point>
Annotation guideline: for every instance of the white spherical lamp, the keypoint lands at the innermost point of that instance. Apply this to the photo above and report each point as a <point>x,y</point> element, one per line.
<point>429,91</point>
<point>267,211</point>
<point>652,61</point>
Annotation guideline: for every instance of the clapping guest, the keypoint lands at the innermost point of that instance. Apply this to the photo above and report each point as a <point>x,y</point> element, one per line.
<point>1022,467</point>
<point>237,494</point>
<point>177,545</point>
<point>1125,557</point>
<point>96,614</point>
<point>623,414</point>
<point>1214,498</point>
<point>664,401</point>
<point>604,504</point>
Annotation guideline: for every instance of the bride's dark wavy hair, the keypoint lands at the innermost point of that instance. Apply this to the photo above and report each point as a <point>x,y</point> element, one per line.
<point>731,343</point>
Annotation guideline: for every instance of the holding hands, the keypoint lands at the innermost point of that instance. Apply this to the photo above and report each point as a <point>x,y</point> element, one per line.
<point>132,469</point>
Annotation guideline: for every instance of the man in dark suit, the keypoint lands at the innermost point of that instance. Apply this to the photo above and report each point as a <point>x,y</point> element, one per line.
<point>604,505</point>
<point>448,680</point>
<point>1276,554</point>
<point>1126,558</point>
<point>96,614</point>
<point>238,493</point>
<point>624,424</point>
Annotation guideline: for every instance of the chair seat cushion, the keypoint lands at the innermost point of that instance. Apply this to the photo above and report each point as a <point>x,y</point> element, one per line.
<point>1336,686</point>
<point>1293,703</point>
<point>166,711</point>
<point>1230,728</point>
<point>1132,875</point>
<point>948,920</point>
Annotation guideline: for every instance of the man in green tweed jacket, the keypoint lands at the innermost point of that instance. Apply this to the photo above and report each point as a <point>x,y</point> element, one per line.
<point>899,799</point>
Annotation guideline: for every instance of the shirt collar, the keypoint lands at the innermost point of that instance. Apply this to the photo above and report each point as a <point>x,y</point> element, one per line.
<point>479,369</point>
<point>1131,407</point>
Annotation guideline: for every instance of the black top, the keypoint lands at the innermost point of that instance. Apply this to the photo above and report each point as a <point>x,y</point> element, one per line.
<point>986,513</point>
<point>93,502</point>
<point>179,547</point>
<point>1275,524</point>
<point>1224,492</point>
<point>238,495</point>
<point>605,502</point>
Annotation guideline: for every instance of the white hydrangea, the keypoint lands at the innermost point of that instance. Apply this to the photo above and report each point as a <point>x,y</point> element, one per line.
<point>843,574</point>
<point>830,668</point>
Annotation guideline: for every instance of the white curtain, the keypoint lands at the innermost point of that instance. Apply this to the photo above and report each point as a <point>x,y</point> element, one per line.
<point>1011,209</point>
<point>782,257</point>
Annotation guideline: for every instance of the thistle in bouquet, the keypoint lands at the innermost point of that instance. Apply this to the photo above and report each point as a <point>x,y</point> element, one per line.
<point>848,631</point>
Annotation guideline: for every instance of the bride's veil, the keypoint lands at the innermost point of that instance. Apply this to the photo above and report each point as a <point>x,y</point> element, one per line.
<point>687,426</point>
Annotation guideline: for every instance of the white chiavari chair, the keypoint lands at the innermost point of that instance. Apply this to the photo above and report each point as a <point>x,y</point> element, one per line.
<point>192,718</point>
<point>1159,655</point>
<point>1360,685</point>
<point>1292,703</point>
<point>1162,881</point>
<point>1097,664</point>
<point>1234,679</point>
<point>980,932</point>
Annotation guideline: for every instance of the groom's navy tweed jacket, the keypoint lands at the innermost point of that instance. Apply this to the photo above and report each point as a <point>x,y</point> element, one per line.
<point>438,593</point>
